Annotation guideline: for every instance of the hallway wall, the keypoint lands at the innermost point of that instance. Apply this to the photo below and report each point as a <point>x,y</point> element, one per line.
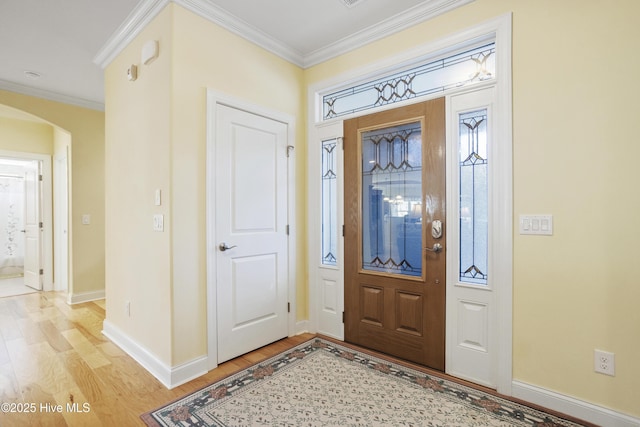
<point>87,192</point>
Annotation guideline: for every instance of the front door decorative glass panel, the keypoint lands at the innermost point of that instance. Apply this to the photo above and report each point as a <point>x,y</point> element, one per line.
<point>329,203</point>
<point>392,199</point>
<point>473,197</point>
<point>460,69</point>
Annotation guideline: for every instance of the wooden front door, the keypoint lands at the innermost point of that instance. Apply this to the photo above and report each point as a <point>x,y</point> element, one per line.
<point>395,232</point>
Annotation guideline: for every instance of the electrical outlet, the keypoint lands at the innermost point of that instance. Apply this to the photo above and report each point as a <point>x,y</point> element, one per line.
<point>604,362</point>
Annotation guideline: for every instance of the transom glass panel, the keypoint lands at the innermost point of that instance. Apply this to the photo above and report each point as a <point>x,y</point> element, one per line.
<point>473,197</point>
<point>329,203</point>
<point>392,199</point>
<point>460,69</point>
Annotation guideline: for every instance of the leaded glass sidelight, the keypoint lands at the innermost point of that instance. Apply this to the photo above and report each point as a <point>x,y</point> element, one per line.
<point>329,203</point>
<point>473,197</point>
<point>392,199</point>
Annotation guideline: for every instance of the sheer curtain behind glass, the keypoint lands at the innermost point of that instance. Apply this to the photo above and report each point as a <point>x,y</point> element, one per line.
<point>11,223</point>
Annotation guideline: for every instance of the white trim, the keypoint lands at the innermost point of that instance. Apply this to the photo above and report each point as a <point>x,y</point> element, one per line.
<point>302,327</point>
<point>215,98</point>
<point>169,376</point>
<point>502,216</point>
<point>77,298</point>
<point>51,96</point>
<point>498,28</point>
<point>219,16</point>
<point>146,10</point>
<point>571,406</point>
<point>420,13</point>
<point>137,20</point>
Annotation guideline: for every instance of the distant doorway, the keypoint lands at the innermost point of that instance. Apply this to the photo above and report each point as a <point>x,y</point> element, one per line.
<point>26,220</point>
<point>20,220</point>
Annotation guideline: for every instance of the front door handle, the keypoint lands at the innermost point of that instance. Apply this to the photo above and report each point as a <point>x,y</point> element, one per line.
<point>223,247</point>
<point>437,247</point>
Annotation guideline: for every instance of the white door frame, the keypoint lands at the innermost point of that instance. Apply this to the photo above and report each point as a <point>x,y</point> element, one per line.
<point>500,28</point>
<point>214,99</point>
<point>61,221</point>
<point>46,243</point>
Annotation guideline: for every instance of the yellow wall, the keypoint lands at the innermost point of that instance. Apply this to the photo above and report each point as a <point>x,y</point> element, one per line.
<point>156,138</point>
<point>575,92</point>
<point>137,162</point>
<point>25,136</point>
<point>87,188</point>
<point>235,67</point>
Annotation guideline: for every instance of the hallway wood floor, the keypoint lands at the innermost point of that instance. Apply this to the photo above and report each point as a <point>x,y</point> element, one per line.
<point>54,354</point>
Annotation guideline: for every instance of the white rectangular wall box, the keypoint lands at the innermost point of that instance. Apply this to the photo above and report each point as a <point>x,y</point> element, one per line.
<point>536,224</point>
<point>158,222</point>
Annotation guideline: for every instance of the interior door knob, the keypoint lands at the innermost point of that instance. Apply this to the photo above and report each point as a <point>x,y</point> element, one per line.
<point>223,247</point>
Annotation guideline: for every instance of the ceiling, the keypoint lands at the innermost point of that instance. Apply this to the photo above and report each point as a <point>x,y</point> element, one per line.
<point>68,42</point>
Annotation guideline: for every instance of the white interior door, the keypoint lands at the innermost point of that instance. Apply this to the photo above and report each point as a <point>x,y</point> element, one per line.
<point>250,228</point>
<point>32,247</point>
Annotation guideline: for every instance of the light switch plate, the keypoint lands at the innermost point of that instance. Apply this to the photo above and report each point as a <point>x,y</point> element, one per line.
<point>536,224</point>
<point>158,222</point>
<point>86,219</point>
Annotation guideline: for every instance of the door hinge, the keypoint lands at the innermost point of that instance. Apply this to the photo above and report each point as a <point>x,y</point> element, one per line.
<point>343,317</point>
<point>41,224</point>
<point>287,229</point>
<point>343,231</point>
<point>288,307</point>
<point>39,177</point>
<point>41,271</point>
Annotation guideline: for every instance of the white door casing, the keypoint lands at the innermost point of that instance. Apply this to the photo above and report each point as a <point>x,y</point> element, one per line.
<point>32,226</point>
<point>248,175</point>
<point>61,223</point>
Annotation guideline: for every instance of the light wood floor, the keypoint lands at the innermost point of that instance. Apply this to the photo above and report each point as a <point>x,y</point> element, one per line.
<point>55,354</point>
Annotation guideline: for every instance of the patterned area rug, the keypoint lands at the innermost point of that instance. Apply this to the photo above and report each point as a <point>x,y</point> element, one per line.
<point>321,383</point>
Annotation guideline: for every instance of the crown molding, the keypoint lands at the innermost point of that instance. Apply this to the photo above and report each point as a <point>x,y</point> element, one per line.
<point>423,12</point>
<point>51,96</point>
<point>137,20</point>
<point>148,9</point>
<point>218,16</point>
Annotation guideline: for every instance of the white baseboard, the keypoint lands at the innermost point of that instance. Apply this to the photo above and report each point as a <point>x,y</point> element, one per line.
<point>302,327</point>
<point>572,406</point>
<point>169,376</point>
<point>85,297</point>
